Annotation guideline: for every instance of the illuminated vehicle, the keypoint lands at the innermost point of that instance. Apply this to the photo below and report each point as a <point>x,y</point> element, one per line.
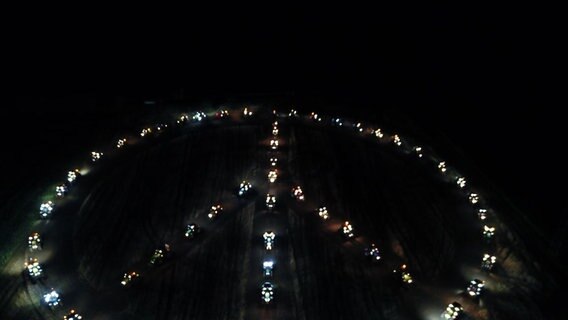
<point>267,267</point>
<point>34,242</point>
<point>358,127</point>
<point>96,156</point>
<point>52,298</point>
<point>475,287</point>
<point>272,175</point>
<point>482,213</point>
<point>270,201</point>
<point>33,268</point>
<point>267,292</point>
<point>488,262</point>
<point>192,230</point>
<point>222,114</point>
<point>293,113</point>
<point>182,119</point>
<point>453,311</point>
<point>347,230</point>
<point>314,116</point>
<point>378,133</point>
<point>461,182</point>
<point>159,255</point>
<point>473,198</point>
<point>274,144</point>
<point>405,275</point>
<point>337,122</point>
<point>199,116</point>
<point>120,143</point>
<point>273,161</point>
<point>145,132</point>
<point>244,188</point>
<point>297,193</point>
<point>488,232</point>
<point>73,175</point>
<point>268,237</point>
<point>215,211</point>
<point>418,151</point>
<point>61,190</point>
<point>373,252</point>
<point>442,166</point>
<point>161,126</point>
<point>247,112</point>
<point>275,131</point>
<point>396,140</point>
<point>45,209</point>
<point>129,277</point>
<point>72,315</point>
<point>322,212</point>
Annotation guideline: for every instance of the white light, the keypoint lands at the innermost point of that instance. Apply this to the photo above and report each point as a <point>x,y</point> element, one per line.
<point>322,212</point>
<point>270,201</point>
<point>45,209</point>
<point>487,262</point>
<point>34,242</point>
<point>247,113</point>
<point>273,161</point>
<point>268,237</point>
<point>418,151</point>
<point>215,210</point>
<point>272,175</point>
<point>72,175</point>
<point>244,188</point>
<point>473,198</point>
<point>488,232</point>
<point>442,166</point>
<point>183,118</point>
<point>482,214</point>
<point>199,116</point>
<point>348,229</point>
<point>34,268</point>
<point>52,298</point>
<point>61,190</point>
<point>358,127</point>
<point>461,182</point>
<point>373,252</point>
<point>128,277</point>
<point>120,143</point>
<point>298,193</point>
<point>378,133</point>
<point>145,132</point>
<point>293,113</point>
<point>95,156</point>
<point>274,144</point>
<point>73,315</point>
<point>396,140</point>
<point>475,287</point>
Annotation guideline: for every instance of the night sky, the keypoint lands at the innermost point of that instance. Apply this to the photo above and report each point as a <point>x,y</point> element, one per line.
<point>486,78</point>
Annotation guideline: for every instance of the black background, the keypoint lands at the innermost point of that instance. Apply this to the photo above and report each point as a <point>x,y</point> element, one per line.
<point>489,79</point>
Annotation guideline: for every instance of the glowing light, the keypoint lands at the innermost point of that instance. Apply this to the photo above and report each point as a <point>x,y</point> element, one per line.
<point>373,252</point>
<point>337,121</point>
<point>244,188</point>
<point>270,201</point>
<point>378,133</point>
<point>461,182</point>
<point>442,166</point>
<point>267,266</point>
<point>72,175</point>
<point>192,230</point>
<point>96,156</point>
<point>322,212</point>
<point>61,190</point>
<point>453,311</point>
<point>120,143</point>
<point>488,262</point>
<point>475,287</point>
<point>247,112</point>
<point>274,131</point>
<point>396,140</point>
<point>274,144</point>
<point>145,132</point>
<point>72,315</point>
<point>482,214</point>
<point>215,211</point>
<point>45,209</point>
<point>129,277</point>
<point>34,268</point>
<point>314,116</point>
<point>297,193</point>
<point>268,237</point>
<point>34,242</point>
<point>52,298</point>
<point>272,175</point>
<point>182,119</point>
<point>293,113</point>
<point>473,198</point>
<point>222,114</point>
<point>488,232</point>
<point>348,230</point>
<point>273,161</point>
<point>267,292</point>
<point>199,116</point>
<point>418,151</point>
